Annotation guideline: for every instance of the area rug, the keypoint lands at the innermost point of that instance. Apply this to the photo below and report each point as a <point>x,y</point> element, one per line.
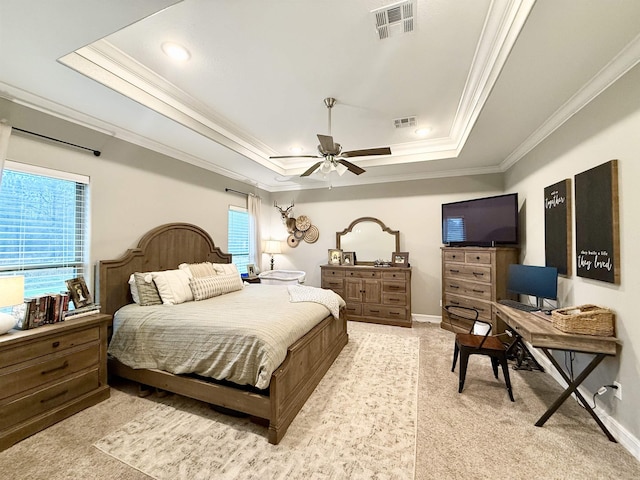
<point>359,423</point>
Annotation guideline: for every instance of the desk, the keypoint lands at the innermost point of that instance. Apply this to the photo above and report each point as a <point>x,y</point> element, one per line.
<point>536,328</point>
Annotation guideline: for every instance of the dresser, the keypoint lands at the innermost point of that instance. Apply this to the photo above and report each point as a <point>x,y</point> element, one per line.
<point>372,294</point>
<point>475,277</point>
<point>49,373</point>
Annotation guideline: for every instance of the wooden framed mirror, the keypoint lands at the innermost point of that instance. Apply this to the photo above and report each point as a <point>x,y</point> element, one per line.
<point>370,239</point>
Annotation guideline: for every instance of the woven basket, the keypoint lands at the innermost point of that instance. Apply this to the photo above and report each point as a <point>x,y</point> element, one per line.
<point>584,319</point>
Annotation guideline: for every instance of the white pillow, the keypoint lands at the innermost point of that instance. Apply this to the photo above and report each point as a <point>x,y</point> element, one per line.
<point>225,268</point>
<point>204,269</point>
<point>134,289</point>
<point>173,286</point>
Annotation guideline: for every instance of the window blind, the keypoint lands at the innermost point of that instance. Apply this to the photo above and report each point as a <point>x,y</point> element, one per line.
<point>43,228</point>
<point>238,237</point>
<point>454,230</point>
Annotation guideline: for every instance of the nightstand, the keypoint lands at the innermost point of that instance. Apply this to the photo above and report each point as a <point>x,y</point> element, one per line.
<point>251,280</point>
<point>49,373</point>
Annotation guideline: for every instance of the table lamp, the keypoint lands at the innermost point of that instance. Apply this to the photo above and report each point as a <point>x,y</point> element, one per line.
<point>271,247</point>
<point>11,294</point>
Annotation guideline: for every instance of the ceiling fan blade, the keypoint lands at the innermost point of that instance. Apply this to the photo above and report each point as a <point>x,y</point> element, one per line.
<point>326,142</point>
<point>352,168</point>
<point>311,170</point>
<point>367,152</point>
<point>296,156</point>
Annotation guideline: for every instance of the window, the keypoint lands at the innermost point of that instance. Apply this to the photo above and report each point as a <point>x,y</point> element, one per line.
<point>238,241</point>
<point>43,226</point>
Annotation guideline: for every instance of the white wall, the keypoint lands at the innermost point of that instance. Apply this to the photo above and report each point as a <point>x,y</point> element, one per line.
<point>609,128</point>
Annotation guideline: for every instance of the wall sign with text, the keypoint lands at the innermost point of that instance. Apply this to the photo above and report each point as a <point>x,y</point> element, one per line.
<point>598,223</point>
<point>557,226</point>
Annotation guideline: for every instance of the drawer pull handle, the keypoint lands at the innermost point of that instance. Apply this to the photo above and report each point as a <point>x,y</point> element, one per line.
<point>55,344</point>
<point>394,313</point>
<point>394,299</point>
<point>455,303</point>
<point>394,287</point>
<point>55,369</point>
<point>478,273</point>
<point>375,311</point>
<point>53,397</point>
<point>454,271</point>
<point>454,286</point>
<point>477,291</point>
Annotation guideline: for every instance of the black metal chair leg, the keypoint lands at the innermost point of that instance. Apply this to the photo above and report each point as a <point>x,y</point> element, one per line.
<point>507,379</point>
<point>464,360</point>
<point>494,365</point>
<point>455,356</point>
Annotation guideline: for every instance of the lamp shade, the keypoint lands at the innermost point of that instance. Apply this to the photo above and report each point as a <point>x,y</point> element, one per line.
<point>11,291</point>
<point>272,246</point>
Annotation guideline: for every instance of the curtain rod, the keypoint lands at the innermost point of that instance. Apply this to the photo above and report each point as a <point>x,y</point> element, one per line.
<point>95,152</point>
<point>240,193</point>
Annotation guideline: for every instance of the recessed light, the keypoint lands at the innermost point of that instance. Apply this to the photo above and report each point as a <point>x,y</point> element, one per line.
<point>175,51</point>
<point>423,131</point>
<point>296,150</point>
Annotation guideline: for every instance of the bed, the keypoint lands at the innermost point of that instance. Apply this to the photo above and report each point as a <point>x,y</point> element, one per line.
<point>292,382</point>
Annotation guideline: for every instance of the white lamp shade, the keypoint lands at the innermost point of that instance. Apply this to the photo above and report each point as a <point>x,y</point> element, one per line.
<point>272,246</point>
<point>11,293</point>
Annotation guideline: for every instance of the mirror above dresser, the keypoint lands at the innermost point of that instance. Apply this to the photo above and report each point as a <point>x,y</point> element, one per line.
<point>370,239</point>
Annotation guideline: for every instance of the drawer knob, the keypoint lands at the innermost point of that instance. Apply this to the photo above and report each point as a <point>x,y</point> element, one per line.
<point>55,369</point>
<point>55,344</point>
<point>454,271</point>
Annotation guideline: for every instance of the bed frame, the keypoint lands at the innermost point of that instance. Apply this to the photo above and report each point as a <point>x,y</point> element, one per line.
<point>307,360</point>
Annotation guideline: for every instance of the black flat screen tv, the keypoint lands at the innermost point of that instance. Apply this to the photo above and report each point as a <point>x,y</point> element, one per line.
<point>481,222</point>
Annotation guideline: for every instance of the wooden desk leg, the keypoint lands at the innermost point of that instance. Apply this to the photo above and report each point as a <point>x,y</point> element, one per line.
<point>573,388</point>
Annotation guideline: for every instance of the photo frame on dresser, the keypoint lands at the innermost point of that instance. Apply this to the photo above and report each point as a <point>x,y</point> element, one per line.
<point>335,256</point>
<point>400,259</point>
<point>251,271</point>
<point>79,292</point>
<point>348,258</point>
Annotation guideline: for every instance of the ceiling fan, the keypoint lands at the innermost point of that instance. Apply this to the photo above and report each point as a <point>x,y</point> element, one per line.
<point>332,154</point>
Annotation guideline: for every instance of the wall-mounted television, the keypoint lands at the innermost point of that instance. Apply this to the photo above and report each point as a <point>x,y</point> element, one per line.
<point>481,222</point>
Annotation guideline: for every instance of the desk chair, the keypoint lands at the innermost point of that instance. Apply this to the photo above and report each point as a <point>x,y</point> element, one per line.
<point>470,343</point>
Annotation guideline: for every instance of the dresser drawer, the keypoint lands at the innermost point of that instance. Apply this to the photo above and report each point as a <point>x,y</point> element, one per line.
<point>399,299</point>
<point>353,309</point>
<point>394,287</point>
<point>454,256</point>
<point>330,272</point>
<point>51,369</point>
<point>48,398</point>
<point>484,308</point>
<point>385,312</point>
<point>478,257</point>
<point>362,274</point>
<point>40,348</point>
<point>332,283</point>
<point>400,276</point>
<point>472,289</point>
<point>480,273</point>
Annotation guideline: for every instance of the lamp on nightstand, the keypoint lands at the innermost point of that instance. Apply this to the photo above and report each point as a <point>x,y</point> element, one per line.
<point>11,294</point>
<point>271,247</point>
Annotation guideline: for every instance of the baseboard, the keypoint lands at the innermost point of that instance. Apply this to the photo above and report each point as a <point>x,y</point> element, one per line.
<point>419,317</point>
<point>621,434</point>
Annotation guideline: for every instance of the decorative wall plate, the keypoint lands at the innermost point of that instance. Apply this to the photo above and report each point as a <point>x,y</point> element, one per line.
<point>312,234</point>
<point>299,234</point>
<point>303,223</point>
<point>292,241</point>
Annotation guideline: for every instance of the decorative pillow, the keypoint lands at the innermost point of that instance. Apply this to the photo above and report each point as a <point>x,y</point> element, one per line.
<point>225,268</point>
<point>173,286</point>
<point>204,269</point>
<point>133,289</point>
<point>146,289</point>
<point>207,287</point>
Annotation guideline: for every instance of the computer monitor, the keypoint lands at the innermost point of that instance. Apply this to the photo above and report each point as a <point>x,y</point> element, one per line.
<point>539,282</point>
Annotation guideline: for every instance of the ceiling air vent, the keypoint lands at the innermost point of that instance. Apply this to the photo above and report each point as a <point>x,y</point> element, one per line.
<point>405,122</point>
<point>395,19</point>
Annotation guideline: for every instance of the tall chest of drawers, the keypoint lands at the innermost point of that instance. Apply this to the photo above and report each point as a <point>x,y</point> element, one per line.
<point>372,294</point>
<point>475,277</point>
<point>49,373</point>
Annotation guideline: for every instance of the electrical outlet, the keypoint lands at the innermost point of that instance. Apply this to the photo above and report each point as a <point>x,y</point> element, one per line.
<point>618,391</point>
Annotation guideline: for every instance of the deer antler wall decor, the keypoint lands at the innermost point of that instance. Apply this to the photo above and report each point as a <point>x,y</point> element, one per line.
<point>299,228</point>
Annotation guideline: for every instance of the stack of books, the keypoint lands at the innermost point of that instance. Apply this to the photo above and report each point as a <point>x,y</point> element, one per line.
<point>82,311</point>
<point>42,310</point>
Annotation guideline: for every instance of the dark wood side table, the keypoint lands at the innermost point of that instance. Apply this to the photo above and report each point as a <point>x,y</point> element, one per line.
<point>251,280</point>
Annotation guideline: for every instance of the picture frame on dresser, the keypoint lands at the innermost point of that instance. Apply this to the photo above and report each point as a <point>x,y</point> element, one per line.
<point>348,258</point>
<point>335,256</point>
<point>79,292</point>
<point>400,259</point>
<point>251,271</point>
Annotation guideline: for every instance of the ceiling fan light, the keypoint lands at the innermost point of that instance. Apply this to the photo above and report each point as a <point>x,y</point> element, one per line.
<point>341,169</point>
<point>325,167</point>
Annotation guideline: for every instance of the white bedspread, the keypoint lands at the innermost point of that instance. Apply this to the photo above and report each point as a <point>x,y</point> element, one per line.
<point>241,337</point>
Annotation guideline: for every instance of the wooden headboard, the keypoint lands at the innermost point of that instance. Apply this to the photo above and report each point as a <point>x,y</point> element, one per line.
<point>163,248</point>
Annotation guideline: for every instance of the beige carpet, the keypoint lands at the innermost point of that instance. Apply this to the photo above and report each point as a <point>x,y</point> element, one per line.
<point>359,423</point>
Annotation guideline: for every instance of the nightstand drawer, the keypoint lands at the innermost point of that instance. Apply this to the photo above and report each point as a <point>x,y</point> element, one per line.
<point>40,348</point>
<point>48,398</point>
<point>53,368</point>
